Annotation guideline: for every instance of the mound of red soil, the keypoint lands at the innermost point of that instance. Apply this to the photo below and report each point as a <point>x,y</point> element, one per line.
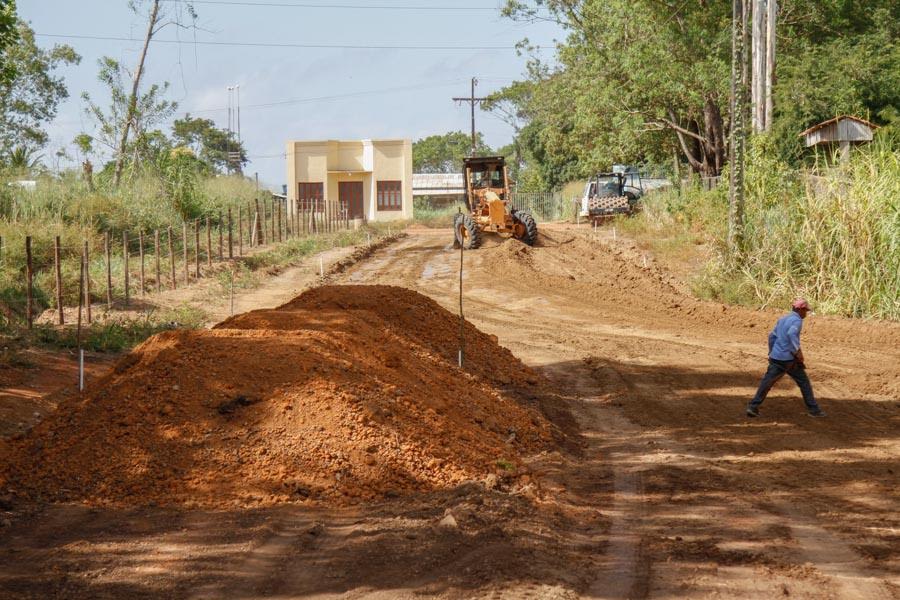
<point>346,393</point>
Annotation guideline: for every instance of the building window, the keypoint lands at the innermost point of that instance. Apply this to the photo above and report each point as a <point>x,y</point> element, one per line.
<point>311,196</point>
<point>390,195</point>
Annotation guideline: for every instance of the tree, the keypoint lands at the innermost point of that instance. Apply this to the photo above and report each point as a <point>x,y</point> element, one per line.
<point>444,153</point>
<point>148,109</point>
<point>9,35</point>
<point>636,80</point>
<point>157,20</point>
<point>209,143</point>
<point>29,100</point>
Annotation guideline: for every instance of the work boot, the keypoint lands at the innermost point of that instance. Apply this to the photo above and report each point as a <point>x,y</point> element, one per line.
<point>752,412</point>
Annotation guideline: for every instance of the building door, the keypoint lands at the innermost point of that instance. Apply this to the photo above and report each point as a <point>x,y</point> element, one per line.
<point>350,195</point>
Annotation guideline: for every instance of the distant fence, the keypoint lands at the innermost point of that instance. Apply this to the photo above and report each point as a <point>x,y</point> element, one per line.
<point>134,261</point>
<point>545,206</point>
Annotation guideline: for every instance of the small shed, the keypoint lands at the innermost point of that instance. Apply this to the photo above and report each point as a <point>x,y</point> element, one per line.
<point>842,131</point>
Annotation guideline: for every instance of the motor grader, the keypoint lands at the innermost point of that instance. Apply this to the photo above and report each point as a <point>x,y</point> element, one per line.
<point>488,205</point>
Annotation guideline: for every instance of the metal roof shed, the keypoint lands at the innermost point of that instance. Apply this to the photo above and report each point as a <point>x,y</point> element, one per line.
<point>843,130</point>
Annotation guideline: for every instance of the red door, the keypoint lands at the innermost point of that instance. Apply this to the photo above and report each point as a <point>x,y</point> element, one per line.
<point>350,195</point>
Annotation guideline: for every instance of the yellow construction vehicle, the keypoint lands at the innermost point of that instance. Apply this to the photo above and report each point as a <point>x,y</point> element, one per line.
<point>488,202</point>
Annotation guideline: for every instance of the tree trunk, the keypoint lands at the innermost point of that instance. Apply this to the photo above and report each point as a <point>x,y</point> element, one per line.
<point>132,101</point>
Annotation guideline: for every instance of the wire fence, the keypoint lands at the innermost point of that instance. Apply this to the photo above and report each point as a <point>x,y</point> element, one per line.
<point>110,268</point>
<point>544,206</point>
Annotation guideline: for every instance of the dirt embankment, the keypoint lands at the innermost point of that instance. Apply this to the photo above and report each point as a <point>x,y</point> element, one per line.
<point>347,393</point>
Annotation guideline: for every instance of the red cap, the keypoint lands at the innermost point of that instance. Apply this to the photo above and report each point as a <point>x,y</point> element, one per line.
<point>800,303</point>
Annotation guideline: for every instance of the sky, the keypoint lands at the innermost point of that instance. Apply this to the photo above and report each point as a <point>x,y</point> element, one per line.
<point>310,93</point>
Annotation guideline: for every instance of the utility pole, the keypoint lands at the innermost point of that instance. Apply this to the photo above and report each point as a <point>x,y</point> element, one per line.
<point>763,62</point>
<point>472,100</point>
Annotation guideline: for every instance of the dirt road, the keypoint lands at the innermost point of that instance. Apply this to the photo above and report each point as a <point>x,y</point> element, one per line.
<point>664,489</point>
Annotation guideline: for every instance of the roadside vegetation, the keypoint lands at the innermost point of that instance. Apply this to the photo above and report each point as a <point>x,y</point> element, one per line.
<point>830,234</point>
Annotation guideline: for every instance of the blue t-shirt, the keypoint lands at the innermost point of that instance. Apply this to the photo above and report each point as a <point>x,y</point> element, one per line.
<point>784,341</point>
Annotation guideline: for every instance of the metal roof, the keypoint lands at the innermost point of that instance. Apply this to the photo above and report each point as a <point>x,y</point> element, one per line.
<point>835,120</point>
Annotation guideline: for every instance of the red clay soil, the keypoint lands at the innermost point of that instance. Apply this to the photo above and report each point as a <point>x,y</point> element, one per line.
<point>347,393</point>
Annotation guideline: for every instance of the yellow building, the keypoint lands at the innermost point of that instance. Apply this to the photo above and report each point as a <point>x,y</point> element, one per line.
<point>370,179</point>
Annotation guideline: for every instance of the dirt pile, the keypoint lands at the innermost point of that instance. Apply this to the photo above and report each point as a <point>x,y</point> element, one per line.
<point>347,393</point>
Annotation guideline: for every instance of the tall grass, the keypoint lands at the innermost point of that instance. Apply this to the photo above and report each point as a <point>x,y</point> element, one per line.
<point>832,235</point>
<point>65,206</point>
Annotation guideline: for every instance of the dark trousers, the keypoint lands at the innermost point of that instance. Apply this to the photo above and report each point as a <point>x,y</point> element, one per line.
<point>777,369</point>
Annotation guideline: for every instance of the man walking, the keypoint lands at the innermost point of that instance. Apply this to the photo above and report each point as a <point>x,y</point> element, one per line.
<point>786,357</point>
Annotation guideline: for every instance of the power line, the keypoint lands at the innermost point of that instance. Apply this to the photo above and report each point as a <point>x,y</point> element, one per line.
<point>276,45</point>
<point>341,6</point>
<point>406,88</point>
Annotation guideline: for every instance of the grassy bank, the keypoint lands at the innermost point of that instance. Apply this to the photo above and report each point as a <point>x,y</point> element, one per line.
<point>832,236</point>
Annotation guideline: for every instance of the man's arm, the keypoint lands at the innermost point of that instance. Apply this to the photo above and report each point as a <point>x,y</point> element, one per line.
<point>794,339</point>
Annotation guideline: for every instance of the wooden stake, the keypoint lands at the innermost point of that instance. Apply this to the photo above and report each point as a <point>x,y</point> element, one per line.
<point>208,244</point>
<point>29,284</point>
<point>78,326</point>
<point>156,255</point>
<point>277,207</point>
<point>240,230</point>
<point>197,248</point>
<point>230,237</point>
<point>59,293</point>
<point>125,261</point>
<point>171,256</point>
<point>184,251</point>
<point>87,281</point>
<point>221,242</point>
<point>141,253</point>
<point>108,271</point>
<point>272,220</point>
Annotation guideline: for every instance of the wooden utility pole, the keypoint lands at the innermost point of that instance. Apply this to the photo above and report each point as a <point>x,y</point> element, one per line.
<point>472,100</point>
<point>764,13</point>
<point>771,28</point>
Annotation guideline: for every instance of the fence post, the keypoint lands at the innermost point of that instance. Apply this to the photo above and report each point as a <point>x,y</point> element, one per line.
<point>156,255</point>
<point>197,248</point>
<point>230,238</point>
<point>125,263</point>
<point>221,243</point>
<point>141,253</point>
<point>87,281</point>
<point>272,220</point>
<point>279,219</point>
<point>108,270</point>
<point>208,244</point>
<point>56,259</point>
<point>29,281</point>
<point>240,230</point>
<point>171,256</point>
<point>258,230</point>
<point>184,252</point>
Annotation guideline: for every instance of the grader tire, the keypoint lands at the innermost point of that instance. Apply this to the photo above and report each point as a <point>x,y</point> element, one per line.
<point>531,231</point>
<point>468,235</point>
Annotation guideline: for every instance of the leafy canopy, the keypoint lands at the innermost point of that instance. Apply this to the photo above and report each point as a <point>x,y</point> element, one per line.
<point>209,143</point>
<point>444,153</point>
<point>29,100</point>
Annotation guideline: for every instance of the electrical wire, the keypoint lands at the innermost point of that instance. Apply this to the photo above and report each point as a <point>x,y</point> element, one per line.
<point>341,6</point>
<point>275,44</point>
<point>406,88</point>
